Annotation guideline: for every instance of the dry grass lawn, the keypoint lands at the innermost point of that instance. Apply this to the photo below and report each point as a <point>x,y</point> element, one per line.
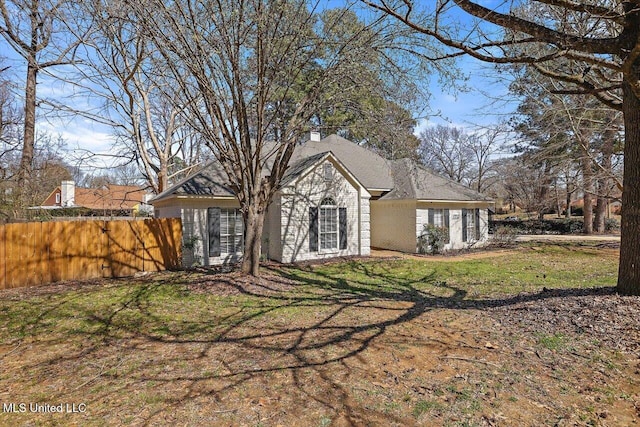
<point>535,336</point>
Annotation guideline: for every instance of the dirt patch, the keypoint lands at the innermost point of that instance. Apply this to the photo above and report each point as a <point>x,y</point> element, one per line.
<point>277,354</point>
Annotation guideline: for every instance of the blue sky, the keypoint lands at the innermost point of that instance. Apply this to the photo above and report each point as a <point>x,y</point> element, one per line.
<point>463,109</point>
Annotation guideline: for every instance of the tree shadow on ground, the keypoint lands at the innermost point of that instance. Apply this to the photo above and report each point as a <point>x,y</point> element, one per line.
<point>292,322</point>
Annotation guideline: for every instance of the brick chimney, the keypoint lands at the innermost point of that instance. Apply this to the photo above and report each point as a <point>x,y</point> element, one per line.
<point>67,193</point>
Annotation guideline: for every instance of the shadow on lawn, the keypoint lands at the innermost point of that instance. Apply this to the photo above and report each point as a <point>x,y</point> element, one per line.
<point>274,327</point>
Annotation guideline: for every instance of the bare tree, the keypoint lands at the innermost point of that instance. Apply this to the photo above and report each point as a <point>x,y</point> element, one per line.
<point>463,156</point>
<point>249,67</point>
<point>37,31</point>
<point>146,111</point>
<point>445,149</point>
<point>606,44</point>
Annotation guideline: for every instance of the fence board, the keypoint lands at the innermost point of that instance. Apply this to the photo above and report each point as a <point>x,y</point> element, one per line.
<point>37,253</point>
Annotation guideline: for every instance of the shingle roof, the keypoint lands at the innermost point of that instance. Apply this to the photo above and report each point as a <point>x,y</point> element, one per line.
<point>370,169</point>
<point>413,181</point>
<point>212,181</point>
<point>111,197</point>
<point>405,178</point>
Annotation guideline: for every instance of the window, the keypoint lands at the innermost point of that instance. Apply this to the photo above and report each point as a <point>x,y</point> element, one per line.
<point>471,223</point>
<point>231,231</point>
<point>57,198</point>
<point>225,229</point>
<point>327,171</point>
<point>328,221</point>
<point>327,226</point>
<point>440,218</point>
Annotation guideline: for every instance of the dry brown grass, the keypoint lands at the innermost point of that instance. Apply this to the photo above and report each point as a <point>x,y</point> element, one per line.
<point>380,342</point>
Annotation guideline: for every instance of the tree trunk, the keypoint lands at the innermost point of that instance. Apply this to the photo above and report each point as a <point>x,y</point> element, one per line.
<point>587,209</point>
<point>26,161</point>
<point>567,213</point>
<point>604,182</point>
<point>253,225</point>
<point>600,215</point>
<point>629,269</point>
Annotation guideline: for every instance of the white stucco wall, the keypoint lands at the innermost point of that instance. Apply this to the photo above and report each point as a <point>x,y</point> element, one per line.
<point>310,190</point>
<point>393,225</point>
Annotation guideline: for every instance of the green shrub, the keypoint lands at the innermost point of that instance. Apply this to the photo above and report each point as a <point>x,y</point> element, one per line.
<point>433,239</point>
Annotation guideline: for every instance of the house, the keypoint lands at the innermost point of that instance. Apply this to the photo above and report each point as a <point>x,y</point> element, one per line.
<point>110,199</point>
<point>337,198</point>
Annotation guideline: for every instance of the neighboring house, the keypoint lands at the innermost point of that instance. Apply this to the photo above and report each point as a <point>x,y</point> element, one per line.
<point>111,200</point>
<point>337,198</point>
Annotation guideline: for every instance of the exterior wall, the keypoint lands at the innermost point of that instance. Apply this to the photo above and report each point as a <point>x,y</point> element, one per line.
<point>310,191</point>
<point>455,222</point>
<point>195,234</point>
<point>271,244</point>
<point>393,225</point>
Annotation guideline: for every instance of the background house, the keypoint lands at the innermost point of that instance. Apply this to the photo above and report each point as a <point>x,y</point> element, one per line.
<point>337,198</point>
<point>108,200</point>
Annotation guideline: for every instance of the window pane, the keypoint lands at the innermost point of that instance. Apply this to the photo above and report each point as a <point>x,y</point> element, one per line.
<point>231,231</point>
<point>438,215</point>
<point>328,230</point>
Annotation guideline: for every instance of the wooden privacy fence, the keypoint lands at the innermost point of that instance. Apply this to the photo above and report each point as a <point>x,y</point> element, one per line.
<point>35,253</point>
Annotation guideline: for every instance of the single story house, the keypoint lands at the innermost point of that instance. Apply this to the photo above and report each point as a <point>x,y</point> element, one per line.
<point>337,198</point>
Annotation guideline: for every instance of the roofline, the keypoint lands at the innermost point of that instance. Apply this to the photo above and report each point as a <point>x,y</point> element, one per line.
<point>492,202</point>
<point>454,201</point>
<point>191,196</point>
<point>379,189</point>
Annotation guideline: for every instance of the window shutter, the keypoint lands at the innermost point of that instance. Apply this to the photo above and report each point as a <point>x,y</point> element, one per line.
<point>313,229</point>
<point>464,225</point>
<point>213,226</point>
<point>430,217</point>
<point>342,216</point>
<point>477,214</point>
<point>446,224</point>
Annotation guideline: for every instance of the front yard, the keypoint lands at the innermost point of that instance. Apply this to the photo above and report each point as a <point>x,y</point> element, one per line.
<point>533,336</point>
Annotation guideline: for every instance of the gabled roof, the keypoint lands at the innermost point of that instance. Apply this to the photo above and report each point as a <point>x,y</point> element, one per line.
<point>413,181</point>
<point>370,169</point>
<point>212,181</point>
